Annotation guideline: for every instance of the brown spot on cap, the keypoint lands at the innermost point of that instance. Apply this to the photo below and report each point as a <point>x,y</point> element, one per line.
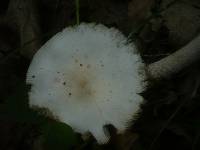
<point>88,66</point>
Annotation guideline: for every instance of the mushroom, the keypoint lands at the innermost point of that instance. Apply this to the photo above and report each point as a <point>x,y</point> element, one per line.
<point>180,59</point>
<point>89,76</point>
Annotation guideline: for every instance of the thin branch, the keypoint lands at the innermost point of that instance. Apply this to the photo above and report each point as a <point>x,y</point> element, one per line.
<point>77,12</point>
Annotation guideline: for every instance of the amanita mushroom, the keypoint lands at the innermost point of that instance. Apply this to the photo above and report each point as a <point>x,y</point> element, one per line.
<point>88,76</point>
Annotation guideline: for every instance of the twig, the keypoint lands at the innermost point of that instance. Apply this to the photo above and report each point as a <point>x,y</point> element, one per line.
<point>77,12</point>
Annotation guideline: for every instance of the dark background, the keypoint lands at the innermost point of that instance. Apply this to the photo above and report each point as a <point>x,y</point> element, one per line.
<point>170,116</point>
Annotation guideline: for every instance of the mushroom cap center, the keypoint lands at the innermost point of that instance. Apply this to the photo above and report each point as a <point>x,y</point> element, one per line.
<point>79,84</point>
<point>82,87</point>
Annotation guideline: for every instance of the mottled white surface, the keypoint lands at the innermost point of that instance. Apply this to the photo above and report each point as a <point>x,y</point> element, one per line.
<point>88,76</point>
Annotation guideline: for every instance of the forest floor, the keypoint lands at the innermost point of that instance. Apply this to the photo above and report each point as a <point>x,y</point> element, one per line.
<point>170,117</point>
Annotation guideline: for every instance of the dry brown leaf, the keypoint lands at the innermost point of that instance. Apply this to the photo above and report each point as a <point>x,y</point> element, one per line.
<point>138,10</point>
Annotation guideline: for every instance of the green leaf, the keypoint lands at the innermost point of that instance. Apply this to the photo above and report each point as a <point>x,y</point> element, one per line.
<point>16,107</point>
<point>58,136</point>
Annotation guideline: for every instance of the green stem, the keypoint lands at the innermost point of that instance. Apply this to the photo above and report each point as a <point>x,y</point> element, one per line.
<point>77,12</point>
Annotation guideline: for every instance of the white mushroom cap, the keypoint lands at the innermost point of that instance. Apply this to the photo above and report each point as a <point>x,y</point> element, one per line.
<point>88,76</point>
